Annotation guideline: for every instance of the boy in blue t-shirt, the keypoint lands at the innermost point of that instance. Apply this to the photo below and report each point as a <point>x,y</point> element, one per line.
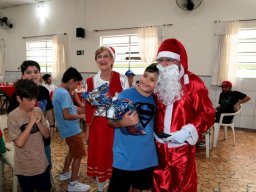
<point>135,156</point>
<point>68,120</point>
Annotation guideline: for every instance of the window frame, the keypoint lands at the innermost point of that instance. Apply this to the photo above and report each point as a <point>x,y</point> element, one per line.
<point>246,53</point>
<point>129,60</point>
<point>44,55</point>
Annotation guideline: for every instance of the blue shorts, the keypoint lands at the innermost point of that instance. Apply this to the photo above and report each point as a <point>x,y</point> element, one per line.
<point>41,182</point>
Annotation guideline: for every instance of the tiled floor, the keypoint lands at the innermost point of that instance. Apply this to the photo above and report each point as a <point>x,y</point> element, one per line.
<point>229,168</point>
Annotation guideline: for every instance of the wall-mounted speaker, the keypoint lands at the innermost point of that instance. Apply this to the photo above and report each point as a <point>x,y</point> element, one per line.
<point>80,32</point>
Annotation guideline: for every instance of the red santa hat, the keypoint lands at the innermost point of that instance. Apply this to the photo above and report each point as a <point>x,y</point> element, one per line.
<point>172,48</point>
<point>112,51</point>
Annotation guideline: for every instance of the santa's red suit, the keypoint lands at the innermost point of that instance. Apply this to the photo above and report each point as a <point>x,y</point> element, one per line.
<point>193,112</point>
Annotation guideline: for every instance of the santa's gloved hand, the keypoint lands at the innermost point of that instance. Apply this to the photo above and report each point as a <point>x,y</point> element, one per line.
<point>178,136</point>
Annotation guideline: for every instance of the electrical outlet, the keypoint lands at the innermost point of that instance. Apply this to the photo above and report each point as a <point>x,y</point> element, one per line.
<point>80,52</point>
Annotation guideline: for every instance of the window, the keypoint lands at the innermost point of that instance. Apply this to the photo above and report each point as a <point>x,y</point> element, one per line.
<point>41,52</point>
<point>246,53</point>
<point>127,52</point>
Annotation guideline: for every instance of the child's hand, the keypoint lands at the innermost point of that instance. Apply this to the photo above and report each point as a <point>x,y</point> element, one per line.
<point>130,119</point>
<point>81,116</point>
<point>79,110</point>
<point>38,117</point>
<point>34,117</point>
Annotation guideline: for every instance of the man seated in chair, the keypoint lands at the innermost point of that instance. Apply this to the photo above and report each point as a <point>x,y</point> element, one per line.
<point>229,101</point>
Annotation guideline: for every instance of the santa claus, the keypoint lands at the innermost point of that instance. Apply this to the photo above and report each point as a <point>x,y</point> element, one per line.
<point>184,112</point>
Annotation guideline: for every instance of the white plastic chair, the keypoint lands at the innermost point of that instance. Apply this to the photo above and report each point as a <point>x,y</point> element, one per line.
<point>8,156</point>
<point>208,141</point>
<point>225,125</point>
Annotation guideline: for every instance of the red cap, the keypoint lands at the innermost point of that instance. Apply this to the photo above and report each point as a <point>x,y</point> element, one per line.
<point>226,84</point>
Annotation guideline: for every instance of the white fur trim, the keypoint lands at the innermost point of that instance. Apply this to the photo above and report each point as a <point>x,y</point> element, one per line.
<point>186,79</point>
<point>181,71</point>
<point>169,55</point>
<point>192,140</point>
<point>168,118</point>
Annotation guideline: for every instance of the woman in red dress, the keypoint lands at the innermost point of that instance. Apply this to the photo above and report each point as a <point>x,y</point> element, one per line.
<point>100,137</point>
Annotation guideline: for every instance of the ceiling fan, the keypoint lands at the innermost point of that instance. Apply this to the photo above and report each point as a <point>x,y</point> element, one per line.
<point>188,5</point>
<point>5,22</point>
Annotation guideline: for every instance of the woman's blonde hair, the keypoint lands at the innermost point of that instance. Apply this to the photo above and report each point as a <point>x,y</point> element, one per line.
<point>104,48</point>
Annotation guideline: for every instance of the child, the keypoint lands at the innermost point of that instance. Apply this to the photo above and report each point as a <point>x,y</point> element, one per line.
<point>31,70</point>
<point>48,83</point>
<point>69,128</point>
<point>27,128</point>
<point>135,155</point>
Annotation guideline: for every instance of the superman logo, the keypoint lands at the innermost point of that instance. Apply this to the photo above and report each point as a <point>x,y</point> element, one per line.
<point>145,112</point>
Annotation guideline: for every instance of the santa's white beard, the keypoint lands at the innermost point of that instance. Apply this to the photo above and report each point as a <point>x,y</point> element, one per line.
<point>169,88</point>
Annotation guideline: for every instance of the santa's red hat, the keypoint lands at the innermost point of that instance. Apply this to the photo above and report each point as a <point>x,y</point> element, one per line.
<point>172,48</point>
<point>112,51</point>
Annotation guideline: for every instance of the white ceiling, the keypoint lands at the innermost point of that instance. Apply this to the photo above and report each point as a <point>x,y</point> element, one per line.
<point>13,3</point>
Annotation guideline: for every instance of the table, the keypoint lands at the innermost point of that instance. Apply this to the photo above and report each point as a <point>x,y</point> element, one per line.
<point>6,91</point>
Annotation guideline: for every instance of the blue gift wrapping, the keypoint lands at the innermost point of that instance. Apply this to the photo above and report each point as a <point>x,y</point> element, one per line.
<point>116,108</point>
<point>116,112</point>
<point>99,96</point>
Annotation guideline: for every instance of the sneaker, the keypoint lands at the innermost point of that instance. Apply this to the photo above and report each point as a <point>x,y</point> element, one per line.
<point>77,186</point>
<point>65,176</point>
<point>201,144</point>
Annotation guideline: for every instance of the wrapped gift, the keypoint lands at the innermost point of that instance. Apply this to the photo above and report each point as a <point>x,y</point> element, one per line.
<point>116,108</point>
<point>99,96</point>
<point>116,112</point>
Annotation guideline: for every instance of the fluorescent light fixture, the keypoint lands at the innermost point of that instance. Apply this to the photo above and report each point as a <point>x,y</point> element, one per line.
<point>42,10</point>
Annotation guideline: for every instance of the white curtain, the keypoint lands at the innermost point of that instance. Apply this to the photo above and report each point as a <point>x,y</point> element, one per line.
<point>224,61</point>
<point>2,61</point>
<point>148,43</point>
<point>61,63</point>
